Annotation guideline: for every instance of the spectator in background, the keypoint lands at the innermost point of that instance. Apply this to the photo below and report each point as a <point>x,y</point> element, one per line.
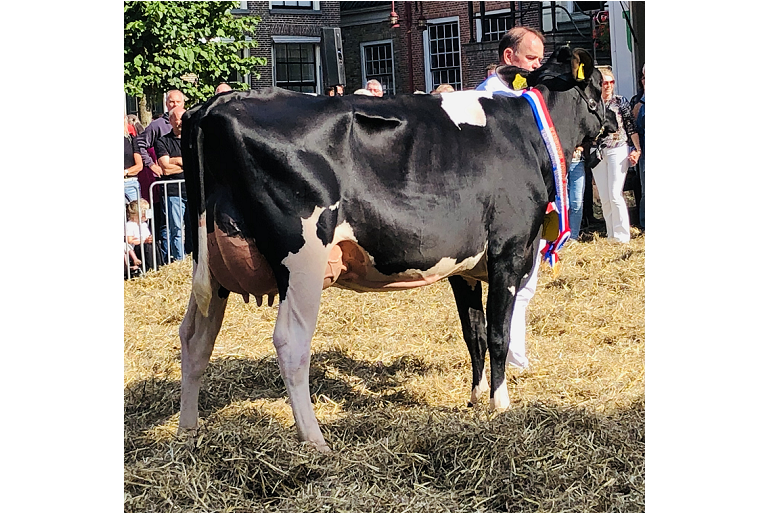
<point>223,87</point>
<point>168,148</point>
<point>576,181</point>
<point>132,163</point>
<point>158,128</point>
<point>138,234</point>
<point>133,122</point>
<point>330,91</point>
<point>443,88</point>
<point>638,114</point>
<point>340,90</point>
<point>617,156</point>
<point>374,87</point>
<point>491,69</point>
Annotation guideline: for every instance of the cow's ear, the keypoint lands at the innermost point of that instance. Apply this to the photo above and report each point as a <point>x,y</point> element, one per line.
<point>513,76</point>
<point>563,54</point>
<point>582,64</point>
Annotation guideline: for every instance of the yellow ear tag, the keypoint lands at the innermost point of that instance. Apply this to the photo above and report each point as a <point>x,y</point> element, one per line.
<point>519,82</point>
<point>580,74</point>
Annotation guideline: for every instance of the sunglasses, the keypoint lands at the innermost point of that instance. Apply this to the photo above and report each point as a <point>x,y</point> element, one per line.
<point>608,82</point>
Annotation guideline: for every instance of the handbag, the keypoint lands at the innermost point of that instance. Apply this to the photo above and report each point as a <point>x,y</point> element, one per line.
<point>593,157</point>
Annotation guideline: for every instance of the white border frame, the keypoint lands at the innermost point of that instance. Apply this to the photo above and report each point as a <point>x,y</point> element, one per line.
<point>429,85</point>
<point>363,61</point>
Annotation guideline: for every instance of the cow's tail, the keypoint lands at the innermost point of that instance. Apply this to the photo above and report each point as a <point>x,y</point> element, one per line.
<point>202,280</point>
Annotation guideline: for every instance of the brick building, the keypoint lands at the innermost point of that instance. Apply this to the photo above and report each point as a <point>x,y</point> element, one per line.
<point>289,37</point>
<point>426,44</point>
<point>449,42</point>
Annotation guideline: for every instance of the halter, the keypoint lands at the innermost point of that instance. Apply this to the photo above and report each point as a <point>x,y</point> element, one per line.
<point>558,166</point>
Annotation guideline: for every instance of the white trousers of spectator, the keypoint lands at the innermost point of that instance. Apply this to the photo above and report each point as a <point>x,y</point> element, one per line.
<point>517,347</point>
<point>610,176</point>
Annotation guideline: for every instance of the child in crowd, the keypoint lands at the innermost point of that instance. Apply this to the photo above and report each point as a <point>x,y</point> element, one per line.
<point>137,233</point>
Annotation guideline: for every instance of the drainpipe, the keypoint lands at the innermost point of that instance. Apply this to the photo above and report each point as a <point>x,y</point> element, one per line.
<point>408,6</point>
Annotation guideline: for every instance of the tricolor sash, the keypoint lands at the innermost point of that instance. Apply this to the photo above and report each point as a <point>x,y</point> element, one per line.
<point>558,165</point>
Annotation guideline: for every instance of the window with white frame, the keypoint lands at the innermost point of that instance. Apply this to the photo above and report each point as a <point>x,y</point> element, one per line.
<point>296,66</point>
<point>496,25</point>
<point>377,63</point>
<point>314,6</point>
<point>563,12</point>
<point>443,55</point>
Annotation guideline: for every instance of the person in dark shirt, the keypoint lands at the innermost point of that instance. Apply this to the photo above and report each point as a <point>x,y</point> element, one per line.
<point>168,149</point>
<point>132,164</point>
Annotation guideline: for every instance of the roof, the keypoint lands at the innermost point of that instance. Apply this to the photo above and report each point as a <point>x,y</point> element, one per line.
<point>352,6</point>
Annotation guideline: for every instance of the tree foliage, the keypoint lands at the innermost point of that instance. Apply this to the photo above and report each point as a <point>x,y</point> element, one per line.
<point>164,41</point>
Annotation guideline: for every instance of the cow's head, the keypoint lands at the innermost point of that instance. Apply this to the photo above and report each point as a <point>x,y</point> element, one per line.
<point>567,69</point>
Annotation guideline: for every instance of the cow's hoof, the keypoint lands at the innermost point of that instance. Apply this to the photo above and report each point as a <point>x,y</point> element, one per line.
<point>500,401</point>
<point>320,447</point>
<point>479,392</point>
<point>186,431</point>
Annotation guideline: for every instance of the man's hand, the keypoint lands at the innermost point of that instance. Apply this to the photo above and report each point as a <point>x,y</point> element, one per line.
<point>156,170</point>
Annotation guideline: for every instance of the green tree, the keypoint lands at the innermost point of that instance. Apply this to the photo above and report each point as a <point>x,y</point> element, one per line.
<point>201,41</point>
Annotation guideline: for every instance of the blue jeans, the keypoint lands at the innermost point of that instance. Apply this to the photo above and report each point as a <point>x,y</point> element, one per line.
<point>641,179</point>
<point>576,181</point>
<point>131,189</point>
<point>174,207</point>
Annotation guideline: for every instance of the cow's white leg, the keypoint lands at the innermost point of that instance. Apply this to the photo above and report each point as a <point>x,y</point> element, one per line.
<point>197,334</point>
<point>295,324</point>
<point>294,327</point>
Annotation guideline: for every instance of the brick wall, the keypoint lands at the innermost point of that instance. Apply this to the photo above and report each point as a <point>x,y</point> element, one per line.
<point>352,37</point>
<point>295,23</point>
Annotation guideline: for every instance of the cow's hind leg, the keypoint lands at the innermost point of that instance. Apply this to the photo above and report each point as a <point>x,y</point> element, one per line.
<point>294,327</point>
<point>467,294</point>
<point>197,334</point>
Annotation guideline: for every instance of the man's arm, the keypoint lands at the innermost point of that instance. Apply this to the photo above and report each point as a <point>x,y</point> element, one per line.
<point>170,165</point>
<point>146,140</point>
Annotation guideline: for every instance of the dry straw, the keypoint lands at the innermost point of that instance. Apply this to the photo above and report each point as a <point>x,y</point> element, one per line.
<point>390,379</point>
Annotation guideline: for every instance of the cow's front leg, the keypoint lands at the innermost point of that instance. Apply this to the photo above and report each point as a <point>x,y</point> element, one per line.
<point>504,282</point>
<point>467,292</point>
<point>197,334</point>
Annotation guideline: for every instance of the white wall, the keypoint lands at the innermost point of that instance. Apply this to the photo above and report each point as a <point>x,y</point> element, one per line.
<point>622,51</point>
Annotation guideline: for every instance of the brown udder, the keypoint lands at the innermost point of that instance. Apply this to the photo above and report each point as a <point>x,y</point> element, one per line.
<point>239,267</point>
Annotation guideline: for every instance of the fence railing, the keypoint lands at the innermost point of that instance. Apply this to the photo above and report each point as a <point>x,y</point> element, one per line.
<point>154,226</point>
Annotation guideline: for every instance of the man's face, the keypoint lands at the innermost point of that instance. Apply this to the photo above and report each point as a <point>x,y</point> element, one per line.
<point>174,99</point>
<point>374,89</point>
<point>175,118</point>
<point>528,56</point>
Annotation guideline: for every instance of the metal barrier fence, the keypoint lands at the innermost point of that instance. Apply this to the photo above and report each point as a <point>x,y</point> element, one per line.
<point>152,217</point>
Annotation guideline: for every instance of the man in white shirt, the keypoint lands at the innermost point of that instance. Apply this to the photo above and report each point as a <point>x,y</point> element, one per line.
<point>521,47</point>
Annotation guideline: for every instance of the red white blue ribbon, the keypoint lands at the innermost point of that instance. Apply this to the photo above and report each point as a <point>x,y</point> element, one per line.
<point>558,165</point>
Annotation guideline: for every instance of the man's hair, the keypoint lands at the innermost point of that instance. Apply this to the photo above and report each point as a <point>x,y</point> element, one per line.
<point>374,82</point>
<point>512,39</point>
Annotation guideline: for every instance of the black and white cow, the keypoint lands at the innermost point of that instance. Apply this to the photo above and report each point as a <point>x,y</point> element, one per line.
<point>295,193</point>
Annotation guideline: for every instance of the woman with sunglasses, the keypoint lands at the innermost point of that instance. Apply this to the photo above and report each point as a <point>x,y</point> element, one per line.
<point>617,156</point>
